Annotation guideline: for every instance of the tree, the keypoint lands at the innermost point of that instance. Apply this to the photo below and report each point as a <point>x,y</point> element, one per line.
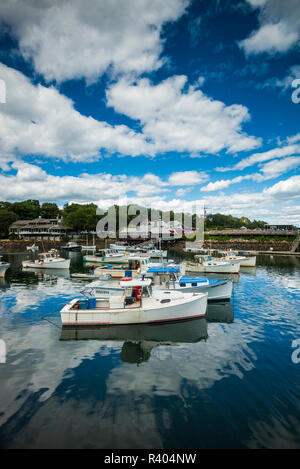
<point>26,210</point>
<point>81,217</point>
<point>7,217</point>
<point>49,210</point>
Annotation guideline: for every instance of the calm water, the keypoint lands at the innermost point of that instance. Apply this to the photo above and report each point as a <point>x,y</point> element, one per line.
<point>227,381</point>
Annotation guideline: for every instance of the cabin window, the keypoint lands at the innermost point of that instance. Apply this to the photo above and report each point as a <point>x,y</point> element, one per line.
<point>165,300</point>
<point>194,284</point>
<point>182,284</point>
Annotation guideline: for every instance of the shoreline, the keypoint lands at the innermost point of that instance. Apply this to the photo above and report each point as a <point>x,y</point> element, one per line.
<point>279,248</point>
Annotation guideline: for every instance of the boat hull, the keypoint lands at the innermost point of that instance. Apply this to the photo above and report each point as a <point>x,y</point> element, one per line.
<point>54,264</point>
<point>194,307</point>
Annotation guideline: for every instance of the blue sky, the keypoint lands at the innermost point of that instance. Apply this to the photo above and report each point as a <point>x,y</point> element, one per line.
<point>166,103</point>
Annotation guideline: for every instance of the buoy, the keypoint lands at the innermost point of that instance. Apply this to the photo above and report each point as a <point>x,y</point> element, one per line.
<point>125,279</point>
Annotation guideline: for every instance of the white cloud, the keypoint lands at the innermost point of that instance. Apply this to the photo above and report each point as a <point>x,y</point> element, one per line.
<point>288,188</point>
<point>181,192</point>
<point>68,39</point>
<point>178,119</point>
<point>270,38</point>
<point>257,3</point>
<point>38,120</point>
<point>293,139</point>
<point>223,183</point>
<point>272,205</point>
<point>31,181</point>
<point>279,29</point>
<point>187,178</point>
<point>278,152</point>
<point>275,168</point>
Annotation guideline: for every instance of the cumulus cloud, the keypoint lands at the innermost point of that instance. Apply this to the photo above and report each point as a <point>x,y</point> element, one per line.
<point>275,168</point>
<point>187,178</point>
<point>270,38</point>
<point>175,118</point>
<point>279,29</point>
<point>30,181</point>
<point>67,39</point>
<point>288,188</point>
<point>223,183</point>
<point>279,152</point>
<point>38,120</point>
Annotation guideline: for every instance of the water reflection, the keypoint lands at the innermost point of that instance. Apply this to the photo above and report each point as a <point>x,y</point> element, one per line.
<point>139,340</point>
<point>47,274</point>
<point>220,312</point>
<point>211,382</point>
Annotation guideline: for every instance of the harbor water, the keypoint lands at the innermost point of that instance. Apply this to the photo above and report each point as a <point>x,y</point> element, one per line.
<point>229,380</point>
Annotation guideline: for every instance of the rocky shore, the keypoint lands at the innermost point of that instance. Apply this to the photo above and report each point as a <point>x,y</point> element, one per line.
<point>176,245</point>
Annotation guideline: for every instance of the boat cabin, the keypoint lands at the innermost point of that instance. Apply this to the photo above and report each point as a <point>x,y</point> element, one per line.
<point>131,293</point>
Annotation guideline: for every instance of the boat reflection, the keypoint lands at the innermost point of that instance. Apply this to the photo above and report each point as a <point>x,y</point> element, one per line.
<point>248,270</point>
<point>139,340</point>
<point>4,285</point>
<point>220,312</point>
<point>45,274</point>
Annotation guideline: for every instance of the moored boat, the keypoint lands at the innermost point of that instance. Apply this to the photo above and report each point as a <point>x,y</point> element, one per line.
<point>207,264</point>
<point>138,304</point>
<point>217,289</point>
<point>237,258</point>
<point>48,260</point>
<point>114,271</point>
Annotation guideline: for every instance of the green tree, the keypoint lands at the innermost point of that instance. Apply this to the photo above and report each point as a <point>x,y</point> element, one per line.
<point>49,210</point>
<point>81,217</point>
<point>26,210</point>
<point>7,217</point>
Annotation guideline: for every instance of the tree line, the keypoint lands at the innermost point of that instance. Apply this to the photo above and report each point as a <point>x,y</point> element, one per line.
<point>84,217</point>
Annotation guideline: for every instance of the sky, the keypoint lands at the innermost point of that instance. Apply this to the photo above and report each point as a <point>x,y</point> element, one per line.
<point>169,104</point>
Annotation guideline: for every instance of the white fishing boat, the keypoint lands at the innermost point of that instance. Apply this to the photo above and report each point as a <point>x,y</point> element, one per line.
<point>167,277</point>
<point>138,304</point>
<point>148,250</point>
<point>106,256</point>
<point>3,267</point>
<point>244,261</point>
<point>121,246</point>
<point>114,271</point>
<point>48,260</point>
<point>207,264</point>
